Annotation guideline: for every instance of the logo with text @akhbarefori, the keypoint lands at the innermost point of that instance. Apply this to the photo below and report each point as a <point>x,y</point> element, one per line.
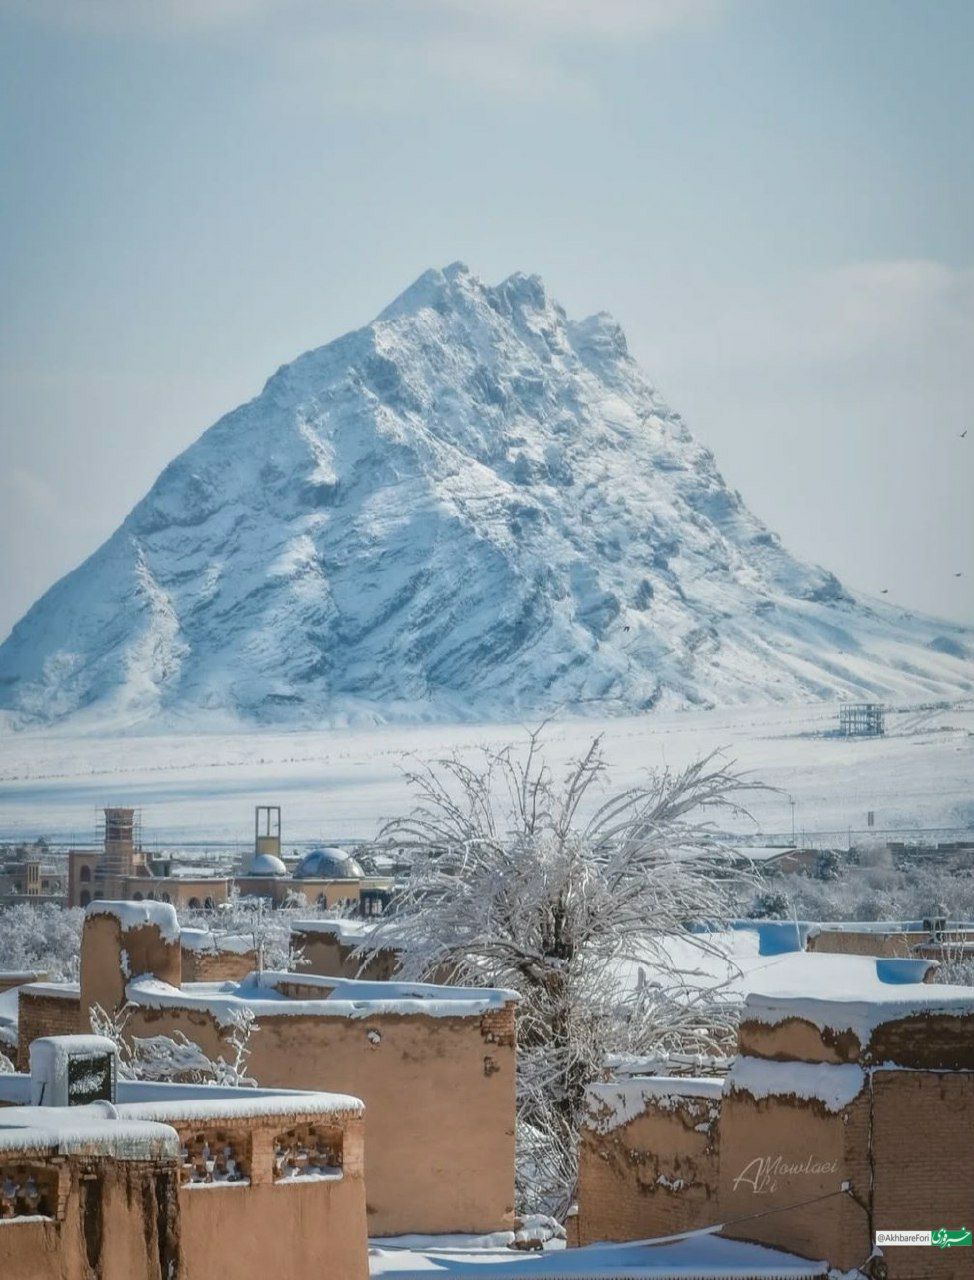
<point>942,1238</point>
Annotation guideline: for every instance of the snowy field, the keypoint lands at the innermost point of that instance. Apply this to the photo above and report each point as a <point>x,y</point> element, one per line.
<point>341,783</point>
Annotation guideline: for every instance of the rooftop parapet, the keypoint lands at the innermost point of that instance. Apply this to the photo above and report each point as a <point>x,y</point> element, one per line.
<point>908,1024</point>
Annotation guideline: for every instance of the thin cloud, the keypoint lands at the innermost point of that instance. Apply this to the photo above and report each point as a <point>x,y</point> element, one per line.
<point>545,18</point>
<point>371,54</point>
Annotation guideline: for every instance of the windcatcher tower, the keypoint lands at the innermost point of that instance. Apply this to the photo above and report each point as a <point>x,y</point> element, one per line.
<point>267,833</point>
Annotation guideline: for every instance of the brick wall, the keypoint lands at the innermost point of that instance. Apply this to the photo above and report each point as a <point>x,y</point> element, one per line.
<point>42,1015</point>
<point>220,966</point>
<point>923,1155</point>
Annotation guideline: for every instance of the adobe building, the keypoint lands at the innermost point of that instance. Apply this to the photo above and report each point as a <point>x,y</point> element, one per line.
<point>123,871</point>
<point>435,1066</point>
<point>839,1117</point>
<point>120,1179</point>
<point>28,873</point>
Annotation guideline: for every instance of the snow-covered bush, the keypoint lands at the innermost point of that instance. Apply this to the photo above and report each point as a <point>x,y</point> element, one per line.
<point>44,937</point>
<point>175,1058</point>
<point>549,887</point>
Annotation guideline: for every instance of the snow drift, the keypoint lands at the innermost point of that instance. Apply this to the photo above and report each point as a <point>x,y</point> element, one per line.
<point>472,508</point>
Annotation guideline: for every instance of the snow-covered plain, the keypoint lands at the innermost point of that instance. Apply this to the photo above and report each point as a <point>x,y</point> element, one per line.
<point>341,783</point>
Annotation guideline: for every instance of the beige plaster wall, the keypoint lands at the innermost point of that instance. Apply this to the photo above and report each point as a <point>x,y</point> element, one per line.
<point>102,943</point>
<point>119,1221</point>
<point>754,1133</point>
<point>439,1104</point>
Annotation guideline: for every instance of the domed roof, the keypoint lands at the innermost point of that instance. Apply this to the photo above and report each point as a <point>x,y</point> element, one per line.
<point>265,864</point>
<point>328,864</point>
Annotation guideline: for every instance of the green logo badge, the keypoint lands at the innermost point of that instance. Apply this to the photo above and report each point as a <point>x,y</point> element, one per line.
<point>948,1239</point>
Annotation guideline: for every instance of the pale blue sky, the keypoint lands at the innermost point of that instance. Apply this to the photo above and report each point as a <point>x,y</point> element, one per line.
<point>774,197</point>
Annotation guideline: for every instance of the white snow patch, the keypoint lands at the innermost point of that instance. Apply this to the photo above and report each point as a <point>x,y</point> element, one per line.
<point>613,1104</point>
<point>835,1086</point>
<point>136,915</point>
<point>340,998</point>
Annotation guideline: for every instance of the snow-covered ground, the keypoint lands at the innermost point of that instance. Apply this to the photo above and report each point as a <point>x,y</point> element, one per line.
<point>339,783</point>
<point>676,1258</point>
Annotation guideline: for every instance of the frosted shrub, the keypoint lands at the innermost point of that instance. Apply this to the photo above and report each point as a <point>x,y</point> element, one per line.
<point>175,1058</point>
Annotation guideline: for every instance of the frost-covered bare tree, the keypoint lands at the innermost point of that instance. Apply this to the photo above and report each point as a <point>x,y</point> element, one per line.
<point>41,937</point>
<point>561,890</point>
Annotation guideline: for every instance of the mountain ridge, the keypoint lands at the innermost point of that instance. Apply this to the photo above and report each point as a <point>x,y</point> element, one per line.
<point>473,507</point>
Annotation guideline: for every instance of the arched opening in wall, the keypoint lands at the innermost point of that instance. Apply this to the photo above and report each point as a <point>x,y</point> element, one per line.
<point>194,904</point>
<point>151,897</point>
<point>136,897</point>
<point>84,875</point>
<point>208,904</point>
<point>84,899</point>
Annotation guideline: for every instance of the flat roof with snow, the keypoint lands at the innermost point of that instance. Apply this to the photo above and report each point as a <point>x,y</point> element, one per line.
<point>338,998</point>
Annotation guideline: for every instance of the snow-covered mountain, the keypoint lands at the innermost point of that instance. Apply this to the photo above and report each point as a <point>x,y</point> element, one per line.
<point>474,507</point>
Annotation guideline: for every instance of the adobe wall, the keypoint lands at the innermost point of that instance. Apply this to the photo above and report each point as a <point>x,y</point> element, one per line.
<point>119,1221</point>
<point>893,945</point>
<point>783,1151</point>
<point>655,1175</point>
<point>290,1231</point>
<point>796,1040</point>
<point>923,1124</point>
<point>439,1103</point>
<point>329,957</point>
<point>104,971</point>
<point>218,966</point>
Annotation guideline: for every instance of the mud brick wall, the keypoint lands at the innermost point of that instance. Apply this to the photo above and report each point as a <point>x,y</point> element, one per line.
<point>219,966</point>
<point>657,1174</point>
<point>42,1015</point>
<point>923,1153</point>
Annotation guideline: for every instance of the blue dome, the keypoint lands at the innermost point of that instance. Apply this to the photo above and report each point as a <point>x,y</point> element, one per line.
<point>328,864</point>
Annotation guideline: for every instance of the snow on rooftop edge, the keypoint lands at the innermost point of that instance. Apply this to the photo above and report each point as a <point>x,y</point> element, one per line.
<point>834,1085</point>
<point>345,930</point>
<point>204,942</point>
<point>340,997</point>
<point>84,1131</point>
<point>136,915</point>
<point>862,1013</point>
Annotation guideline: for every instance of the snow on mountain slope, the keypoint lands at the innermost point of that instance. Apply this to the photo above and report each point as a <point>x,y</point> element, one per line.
<point>472,507</point>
